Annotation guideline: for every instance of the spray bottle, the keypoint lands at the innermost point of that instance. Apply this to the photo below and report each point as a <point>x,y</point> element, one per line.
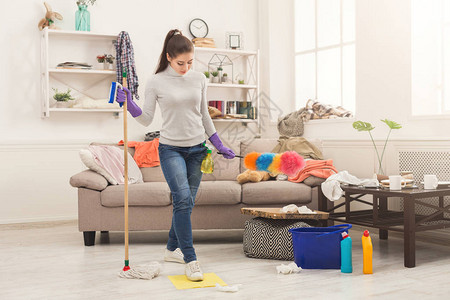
<point>207,163</point>
<point>346,253</point>
<point>367,253</point>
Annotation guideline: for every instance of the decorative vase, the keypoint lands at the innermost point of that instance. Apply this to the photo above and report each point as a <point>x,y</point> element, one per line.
<point>82,18</point>
<point>105,65</point>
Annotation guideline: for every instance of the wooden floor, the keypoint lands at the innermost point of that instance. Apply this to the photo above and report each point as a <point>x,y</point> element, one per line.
<point>49,261</point>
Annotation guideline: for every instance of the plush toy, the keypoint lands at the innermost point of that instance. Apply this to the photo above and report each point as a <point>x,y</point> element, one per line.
<point>50,17</point>
<point>252,176</point>
<point>214,112</point>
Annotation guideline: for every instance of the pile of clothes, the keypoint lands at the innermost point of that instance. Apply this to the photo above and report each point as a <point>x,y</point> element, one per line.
<point>292,124</point>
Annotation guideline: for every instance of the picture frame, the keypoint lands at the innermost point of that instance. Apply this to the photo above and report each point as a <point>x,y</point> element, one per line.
<point>234,40</point>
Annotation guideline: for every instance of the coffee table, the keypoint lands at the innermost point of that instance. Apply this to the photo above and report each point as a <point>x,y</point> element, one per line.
<point>406,221</point>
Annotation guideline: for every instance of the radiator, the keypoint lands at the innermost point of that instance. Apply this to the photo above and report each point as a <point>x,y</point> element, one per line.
<point>426,162</point>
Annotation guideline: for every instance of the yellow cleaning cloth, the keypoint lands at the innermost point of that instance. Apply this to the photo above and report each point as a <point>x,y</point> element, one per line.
<point>209,280</point>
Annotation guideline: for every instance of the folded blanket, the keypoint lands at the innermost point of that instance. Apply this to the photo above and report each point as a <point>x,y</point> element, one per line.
<point>110,159</point>
<point>318,168</point>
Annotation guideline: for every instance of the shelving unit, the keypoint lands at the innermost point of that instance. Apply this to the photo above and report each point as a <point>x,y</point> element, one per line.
<point>58,46</point>
<point>245,63</point>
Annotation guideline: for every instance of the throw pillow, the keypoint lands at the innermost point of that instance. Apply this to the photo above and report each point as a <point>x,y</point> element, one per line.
<point>88,160</point>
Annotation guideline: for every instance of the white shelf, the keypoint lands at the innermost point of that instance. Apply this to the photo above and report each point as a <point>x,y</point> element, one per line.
<point>239,86</point>
<point>82,46</point>
<point>235,120</point>
<point>82,34</point>
<point>245,63</point>
<point>114,110</point>
<point>82,71</point>
<point>224,51</point>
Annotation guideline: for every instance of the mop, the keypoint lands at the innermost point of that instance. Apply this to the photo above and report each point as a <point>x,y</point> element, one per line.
<point>125,58</point>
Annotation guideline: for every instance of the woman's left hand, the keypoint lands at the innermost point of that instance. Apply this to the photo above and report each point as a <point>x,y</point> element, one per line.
<point>226,152</point>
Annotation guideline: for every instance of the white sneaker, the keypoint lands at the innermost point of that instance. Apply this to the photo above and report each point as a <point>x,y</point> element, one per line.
<point>193,271</point>
<point>174,256</point>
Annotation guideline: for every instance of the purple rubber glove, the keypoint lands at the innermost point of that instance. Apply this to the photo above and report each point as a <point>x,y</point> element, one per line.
<point>132,107</point>
<point>226,152</point>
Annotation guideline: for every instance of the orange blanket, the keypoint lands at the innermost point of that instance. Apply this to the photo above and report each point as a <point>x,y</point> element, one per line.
<point>318,168</point>
<point>146,154</point>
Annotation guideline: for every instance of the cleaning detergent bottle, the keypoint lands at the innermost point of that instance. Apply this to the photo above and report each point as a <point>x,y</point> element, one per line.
<point>208,163</point>
<point>346,253</point>
<point>367,253</point>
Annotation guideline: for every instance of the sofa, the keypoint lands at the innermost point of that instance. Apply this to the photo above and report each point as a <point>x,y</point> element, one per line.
<point>217,205</point>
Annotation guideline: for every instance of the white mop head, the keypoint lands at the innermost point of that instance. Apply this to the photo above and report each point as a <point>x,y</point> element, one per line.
<point>148,271</point>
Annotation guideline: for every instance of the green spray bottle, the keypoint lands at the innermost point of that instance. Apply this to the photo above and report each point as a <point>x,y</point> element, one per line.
<point>207,163</point>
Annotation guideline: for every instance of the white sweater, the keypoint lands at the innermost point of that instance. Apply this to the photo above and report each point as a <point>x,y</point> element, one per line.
<point>183,104</point>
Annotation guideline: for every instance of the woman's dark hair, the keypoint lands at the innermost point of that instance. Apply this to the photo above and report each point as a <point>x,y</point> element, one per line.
<point>174,44</point>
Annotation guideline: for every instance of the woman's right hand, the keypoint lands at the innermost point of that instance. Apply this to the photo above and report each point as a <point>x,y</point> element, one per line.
<point>125,95</point>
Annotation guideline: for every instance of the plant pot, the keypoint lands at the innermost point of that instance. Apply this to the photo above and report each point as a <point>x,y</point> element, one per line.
<point>215,79</point>
<point>63,104</point>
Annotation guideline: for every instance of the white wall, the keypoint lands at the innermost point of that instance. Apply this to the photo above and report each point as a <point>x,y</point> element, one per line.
<point>38,156</point>
<point>43,153</point>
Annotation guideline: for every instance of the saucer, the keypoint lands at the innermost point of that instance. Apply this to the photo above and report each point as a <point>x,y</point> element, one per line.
<point>440,182</point>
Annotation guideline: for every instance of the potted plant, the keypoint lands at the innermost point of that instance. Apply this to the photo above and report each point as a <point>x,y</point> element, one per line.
<point>225,78</point>
<point>62,99</point>
<point>207,75</point>
<point>365,126</point>
<point>101,61</point>
<point>110,61</point>
<point>215,79</point>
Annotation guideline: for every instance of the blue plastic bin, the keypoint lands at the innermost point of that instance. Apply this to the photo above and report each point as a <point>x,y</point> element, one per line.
<point>318,247</point>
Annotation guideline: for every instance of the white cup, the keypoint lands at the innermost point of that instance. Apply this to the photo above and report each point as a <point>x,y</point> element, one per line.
<point>430,182</point>
<point>396,182</point>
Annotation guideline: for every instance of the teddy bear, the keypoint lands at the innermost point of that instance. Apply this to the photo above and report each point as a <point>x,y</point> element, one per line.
<point>49,19</point>
<point>252,176</point>
<point>214,112</point>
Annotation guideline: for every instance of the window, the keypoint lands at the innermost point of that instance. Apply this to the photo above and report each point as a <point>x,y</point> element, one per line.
<point>430,57</point>
<point>325,52</point>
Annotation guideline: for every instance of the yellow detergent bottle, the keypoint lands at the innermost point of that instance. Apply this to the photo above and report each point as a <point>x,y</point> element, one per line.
<point>208,163</point>
<point>367,253</point>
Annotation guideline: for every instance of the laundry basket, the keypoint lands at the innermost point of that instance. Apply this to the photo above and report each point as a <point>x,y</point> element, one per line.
<point>318,247</point>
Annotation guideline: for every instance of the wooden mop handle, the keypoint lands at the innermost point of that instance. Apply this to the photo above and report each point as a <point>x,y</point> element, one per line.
<point>125,158</point>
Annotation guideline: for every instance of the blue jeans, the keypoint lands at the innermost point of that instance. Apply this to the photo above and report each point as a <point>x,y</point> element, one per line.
<point>181,168</point>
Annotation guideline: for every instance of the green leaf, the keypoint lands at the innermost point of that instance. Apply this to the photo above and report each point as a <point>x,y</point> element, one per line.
<point>392,124</point>
<point>363,126</point>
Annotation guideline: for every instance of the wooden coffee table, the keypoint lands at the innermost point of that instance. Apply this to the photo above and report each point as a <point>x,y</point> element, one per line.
<point>380,217</point>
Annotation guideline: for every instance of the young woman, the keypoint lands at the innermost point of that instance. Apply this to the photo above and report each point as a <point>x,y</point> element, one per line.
<point>181,95</point>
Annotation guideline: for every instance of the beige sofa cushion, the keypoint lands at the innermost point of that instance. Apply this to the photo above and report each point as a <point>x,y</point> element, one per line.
<point>273,192</point>
<point>90,180</point>
<point>142,194</point>
<point>154,174</point>
<point>214,193</point>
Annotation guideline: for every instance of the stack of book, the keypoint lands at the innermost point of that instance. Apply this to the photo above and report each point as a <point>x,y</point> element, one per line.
<point>74,65</point>
<point>219,104</point>
<point>204,42</point>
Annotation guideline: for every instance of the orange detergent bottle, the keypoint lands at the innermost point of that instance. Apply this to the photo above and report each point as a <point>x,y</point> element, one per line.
<point>367,253</point>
